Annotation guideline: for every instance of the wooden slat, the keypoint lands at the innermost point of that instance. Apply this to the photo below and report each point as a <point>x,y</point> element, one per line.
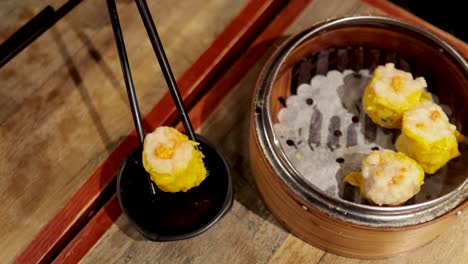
<point>122,244</point>
<point>33,68</point>
<point>94,230</point>
<point>56,131</point>
<point>205,70</point>
<point>15,14</point>
<point>58,137</point>
<point>226,127</point>
<point>294,250</point>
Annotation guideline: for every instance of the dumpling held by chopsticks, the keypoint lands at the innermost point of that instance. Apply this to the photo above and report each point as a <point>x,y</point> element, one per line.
<point>172,160</point>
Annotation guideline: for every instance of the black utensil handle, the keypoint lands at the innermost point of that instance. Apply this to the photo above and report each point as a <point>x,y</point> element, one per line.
<point>126,70</point>
<point>128,78</point>
<point>165,67</point>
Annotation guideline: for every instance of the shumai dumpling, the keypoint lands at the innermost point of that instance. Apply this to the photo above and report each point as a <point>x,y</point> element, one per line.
<point>172,160</point>
<point>428,137</point>
<point>387,178</point>
<point>392,92</point>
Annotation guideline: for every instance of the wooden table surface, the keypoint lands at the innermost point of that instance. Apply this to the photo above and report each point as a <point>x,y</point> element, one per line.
<point>64,111</point>
<point>64,106</point>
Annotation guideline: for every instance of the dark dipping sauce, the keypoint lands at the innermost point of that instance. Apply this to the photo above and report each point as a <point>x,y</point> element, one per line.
<point>172,216</point>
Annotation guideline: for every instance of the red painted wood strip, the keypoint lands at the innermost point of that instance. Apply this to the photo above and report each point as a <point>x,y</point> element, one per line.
<point>100,223</point>
<point>395,11</point>
<point>82,206</point>
<point>88,236</point>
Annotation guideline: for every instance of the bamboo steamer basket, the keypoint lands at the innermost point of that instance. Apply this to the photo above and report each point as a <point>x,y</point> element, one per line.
<point>337,225</point>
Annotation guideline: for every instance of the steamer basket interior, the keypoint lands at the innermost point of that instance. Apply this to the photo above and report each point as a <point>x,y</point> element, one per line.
<point>363,45</point>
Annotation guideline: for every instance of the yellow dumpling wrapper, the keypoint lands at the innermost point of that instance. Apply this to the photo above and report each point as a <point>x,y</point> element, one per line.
<point>390,93</point>
<point>387,178</point>
<point>428,137</point>
<point>172,160</point>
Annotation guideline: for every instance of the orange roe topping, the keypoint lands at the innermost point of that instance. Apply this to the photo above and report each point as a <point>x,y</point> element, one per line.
<point>164,152</point>
<point>419,125</point>
<point>397,179</point>
<point>397,83</point>
<point>434,115</point>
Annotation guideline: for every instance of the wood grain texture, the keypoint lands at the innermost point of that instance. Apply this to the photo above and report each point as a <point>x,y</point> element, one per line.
<point>15,14</point>
<point>229,139</point>
<point>240,237</point>
<point>56,130</point>
<point>122,246</point>
<point>294,250</point>
<point>86,239</point>
<point>192,82</point>
<point>121,243</point>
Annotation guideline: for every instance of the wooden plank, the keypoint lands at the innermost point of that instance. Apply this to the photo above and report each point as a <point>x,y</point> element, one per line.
<point>28,72</point>
<point>121,243</point>
<point>85,240</point>
<point>240,237</point>
<point>64,129</point>
<point>200,112</point>
<point>203,71</point>
<point>294,250</point>
<point>15,14</point>
<point>125,245</point>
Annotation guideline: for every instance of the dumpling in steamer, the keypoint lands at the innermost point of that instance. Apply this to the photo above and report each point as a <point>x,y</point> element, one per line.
<point>390,93</point>
<point>172,160</point>
<point>387,178</point>
<point>428,137</point>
